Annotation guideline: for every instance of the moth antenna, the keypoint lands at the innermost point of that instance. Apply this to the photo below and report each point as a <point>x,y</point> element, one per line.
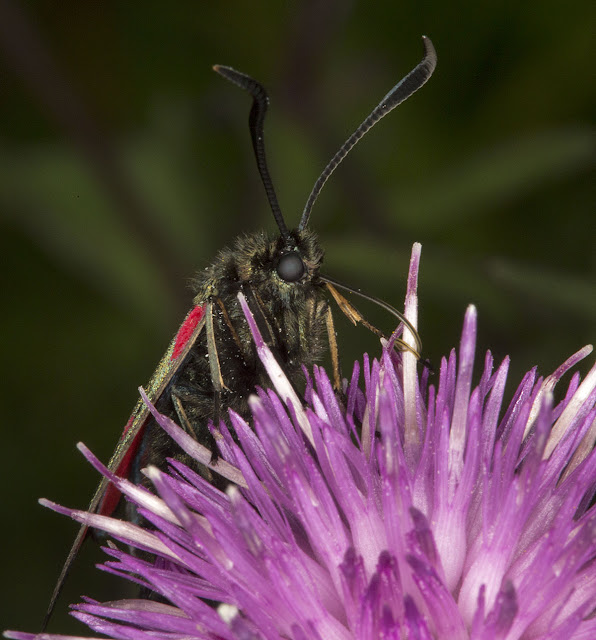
<point>400,92</point>
<point>255,122</point>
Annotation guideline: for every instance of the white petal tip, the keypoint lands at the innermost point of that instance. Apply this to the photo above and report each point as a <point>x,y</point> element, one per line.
<point>231,491</point>
<point>254,401</point>
<point>151,472</point>
<point>227,612</point>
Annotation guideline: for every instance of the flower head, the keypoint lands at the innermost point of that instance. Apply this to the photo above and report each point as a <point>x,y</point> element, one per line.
<point>403,511</point>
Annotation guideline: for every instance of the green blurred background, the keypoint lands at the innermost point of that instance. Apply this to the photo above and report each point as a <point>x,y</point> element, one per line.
<point>125,163</point>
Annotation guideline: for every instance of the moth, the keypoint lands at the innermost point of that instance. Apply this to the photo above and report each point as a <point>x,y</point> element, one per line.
<point>211,364</point>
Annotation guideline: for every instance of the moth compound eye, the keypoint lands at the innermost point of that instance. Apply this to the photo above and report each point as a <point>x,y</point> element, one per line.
<point>290,267</point>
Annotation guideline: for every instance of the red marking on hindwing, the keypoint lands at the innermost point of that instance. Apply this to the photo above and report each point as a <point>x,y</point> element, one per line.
<point>111,497</point>
<point>185,332</point>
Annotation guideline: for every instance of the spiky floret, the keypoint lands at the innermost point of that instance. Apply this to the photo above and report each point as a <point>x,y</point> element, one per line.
<point>414,511</point>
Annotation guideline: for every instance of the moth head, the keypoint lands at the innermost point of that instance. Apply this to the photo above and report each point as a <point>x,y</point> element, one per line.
<point>290,267</point>
<point>296,257</point>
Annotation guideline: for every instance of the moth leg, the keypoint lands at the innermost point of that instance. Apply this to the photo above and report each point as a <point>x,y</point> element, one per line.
<point>257,308</point>
<point>332,338</point>
<point>350,311</point>
<point>228,322</point>
<point>183,419</point>
<point>215,369</point>
<point>186,424</point>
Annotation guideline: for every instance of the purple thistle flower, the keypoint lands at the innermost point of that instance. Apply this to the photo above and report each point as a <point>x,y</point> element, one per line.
<point>413,512</point>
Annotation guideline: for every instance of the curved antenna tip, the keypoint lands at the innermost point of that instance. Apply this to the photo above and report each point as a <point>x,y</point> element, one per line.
<point>429,51</point>
<point>230,74</point>
<point>408,85</point>
<point>256,120</point>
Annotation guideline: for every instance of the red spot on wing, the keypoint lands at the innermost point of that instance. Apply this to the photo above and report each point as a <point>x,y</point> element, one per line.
<point>186,330</point>
<point>111,497</point>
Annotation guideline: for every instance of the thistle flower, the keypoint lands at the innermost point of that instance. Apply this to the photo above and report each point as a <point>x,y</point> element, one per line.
<point>406,512</point>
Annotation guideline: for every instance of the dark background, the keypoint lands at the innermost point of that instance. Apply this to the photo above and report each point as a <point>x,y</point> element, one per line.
<point>125,163</point>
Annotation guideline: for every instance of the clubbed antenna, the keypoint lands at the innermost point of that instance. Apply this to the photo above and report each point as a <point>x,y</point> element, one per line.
<point>255,123</point>
<point>400,92</point>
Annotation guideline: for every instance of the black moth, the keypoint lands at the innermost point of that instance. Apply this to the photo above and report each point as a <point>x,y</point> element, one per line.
<point>211,364</point>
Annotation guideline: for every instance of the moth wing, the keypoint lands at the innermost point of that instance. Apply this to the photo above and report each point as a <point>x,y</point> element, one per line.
<point>106,497</point>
